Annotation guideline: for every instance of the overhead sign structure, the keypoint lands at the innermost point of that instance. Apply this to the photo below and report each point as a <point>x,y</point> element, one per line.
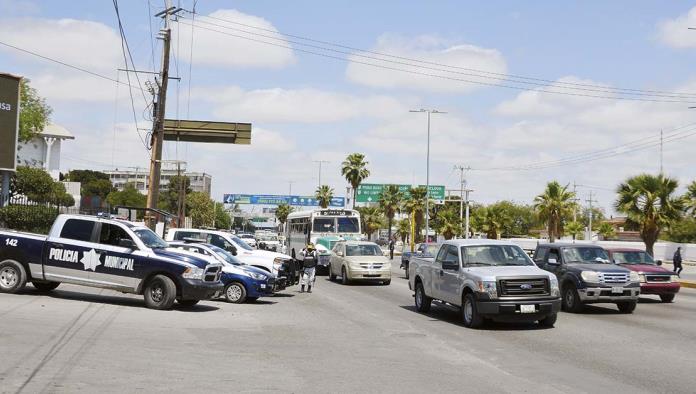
<point>206,131</point>
<point>9,121</point>
<point>270,199</point>
<point>370,192</point>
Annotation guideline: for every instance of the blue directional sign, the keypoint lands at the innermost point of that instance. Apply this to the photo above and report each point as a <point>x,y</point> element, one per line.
<point>270,199</point>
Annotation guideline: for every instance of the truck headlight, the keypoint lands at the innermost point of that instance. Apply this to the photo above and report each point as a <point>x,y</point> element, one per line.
<point>590,276</point>
<point>555,290</point>
<point>488,287</point>
<point>193,273</point>
<point>674,278</point>
<point>634,277</point>
<point>641,278</point>
<point>257,276</point>
<point>277,263</point>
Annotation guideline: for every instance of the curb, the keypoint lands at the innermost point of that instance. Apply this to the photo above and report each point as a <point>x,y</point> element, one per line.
<point>688,283</point>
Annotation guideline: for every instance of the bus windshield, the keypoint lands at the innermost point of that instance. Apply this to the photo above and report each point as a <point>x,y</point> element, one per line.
<point>348,225</point>
<point>324,225</point>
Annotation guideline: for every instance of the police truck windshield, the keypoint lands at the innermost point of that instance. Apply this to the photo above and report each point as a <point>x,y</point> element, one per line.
<point>150,239</point>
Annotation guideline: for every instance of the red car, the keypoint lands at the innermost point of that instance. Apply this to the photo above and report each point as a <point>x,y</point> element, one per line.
<point>653,278</point>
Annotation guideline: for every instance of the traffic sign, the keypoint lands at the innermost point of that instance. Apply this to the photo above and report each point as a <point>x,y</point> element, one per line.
<point>370,192</point>
<point>270,199</point>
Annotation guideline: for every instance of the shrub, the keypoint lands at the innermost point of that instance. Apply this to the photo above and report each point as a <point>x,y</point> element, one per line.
<point>32,218</point>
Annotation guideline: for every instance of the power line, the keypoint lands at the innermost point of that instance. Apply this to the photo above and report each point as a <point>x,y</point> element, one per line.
<point>488,74</point>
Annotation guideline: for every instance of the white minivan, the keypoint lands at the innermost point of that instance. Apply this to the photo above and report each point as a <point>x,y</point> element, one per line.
<point>270,261</point>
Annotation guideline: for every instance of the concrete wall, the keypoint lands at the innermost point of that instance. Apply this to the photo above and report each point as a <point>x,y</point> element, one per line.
<point>663,250</point>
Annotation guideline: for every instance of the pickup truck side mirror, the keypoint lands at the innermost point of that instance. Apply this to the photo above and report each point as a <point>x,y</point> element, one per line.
<point>127,243</point>
<point>659,262</point>
<point>340,254</point>
<point>450,265</point>
<point>553,262</point>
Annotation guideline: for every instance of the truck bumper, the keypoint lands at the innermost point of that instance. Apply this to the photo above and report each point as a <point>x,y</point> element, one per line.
<point>659,288</point>
<point>511,310</point>
<point>199,290</point>
<point>590,295</point>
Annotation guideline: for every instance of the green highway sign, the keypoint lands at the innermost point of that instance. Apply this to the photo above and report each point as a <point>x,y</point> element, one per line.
<point>370,192</point>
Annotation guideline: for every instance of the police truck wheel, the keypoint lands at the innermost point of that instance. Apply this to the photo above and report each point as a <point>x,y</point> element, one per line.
<point>45,286</point>
<point>627,306</point>
<point>13,277</point>
<point>548,321</point>
<point>187,303</point>
<point>160,293</point>
<point>667,297</point>
<point>423,302</point>
<point>344,277</point>
<point>235,293</point>
<point>470,314</point>
<point>571,299</point>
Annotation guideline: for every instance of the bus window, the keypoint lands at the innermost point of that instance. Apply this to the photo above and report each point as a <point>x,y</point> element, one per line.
<point>348,225</point>
<point>324,225</point>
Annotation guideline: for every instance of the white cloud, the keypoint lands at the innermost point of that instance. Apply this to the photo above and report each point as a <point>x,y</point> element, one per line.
<point>428,49</point>
<point>215,45</point>
<point>296,105</point>
<point>675,32</point>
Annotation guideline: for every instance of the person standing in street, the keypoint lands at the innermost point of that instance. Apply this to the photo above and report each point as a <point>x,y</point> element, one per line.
<point>391,248</point>
<point>677,261</point>
<point>309,265</point>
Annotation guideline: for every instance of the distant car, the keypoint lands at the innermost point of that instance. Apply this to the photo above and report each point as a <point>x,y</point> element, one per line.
<point>242,282</point>
<point>268,241</point>
<point>249,239</point>
<point>654,279</point>
<point>421,250</point>
<point>359,260</point>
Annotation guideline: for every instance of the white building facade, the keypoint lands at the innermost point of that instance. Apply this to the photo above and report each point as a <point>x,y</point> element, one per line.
<point>44,150</point>
<point>140,178</point>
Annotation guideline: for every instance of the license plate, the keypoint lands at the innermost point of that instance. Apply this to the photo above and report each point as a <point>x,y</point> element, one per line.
<point>263,285</point>
<point>527,309</point>
<point>617,290</point>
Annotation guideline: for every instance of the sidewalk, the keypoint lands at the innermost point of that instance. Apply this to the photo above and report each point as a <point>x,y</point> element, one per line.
<point>688,275</point>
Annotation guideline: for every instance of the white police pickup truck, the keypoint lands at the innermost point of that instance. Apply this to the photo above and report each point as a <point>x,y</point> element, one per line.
<point>488,280</point>
<point>105,253</point>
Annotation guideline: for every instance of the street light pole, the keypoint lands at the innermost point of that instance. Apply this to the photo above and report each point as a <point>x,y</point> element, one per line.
<point>320,163</point>
<point>427,171</point>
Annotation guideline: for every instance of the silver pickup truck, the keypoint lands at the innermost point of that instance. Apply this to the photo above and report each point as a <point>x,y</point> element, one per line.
<point>487,279</point>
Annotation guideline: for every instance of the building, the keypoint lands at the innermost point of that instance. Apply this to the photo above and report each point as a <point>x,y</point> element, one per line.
<point>44,150</point>
<point>200,181</point>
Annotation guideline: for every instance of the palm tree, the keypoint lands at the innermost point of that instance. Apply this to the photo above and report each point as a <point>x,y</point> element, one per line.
<point>403,229</point>
<point>690,198</point>
<point>415,205</point>
<point>448,223</point>
<point>554,205</point>
<point>390,204</point>
<point>493,220</point>
<point>324,194</point>
<point>606,230</point>
<point>371,220</point>
<point>282,212</point>
<point>355,171</point>
<point>649,201</point>
<point>574,229</point>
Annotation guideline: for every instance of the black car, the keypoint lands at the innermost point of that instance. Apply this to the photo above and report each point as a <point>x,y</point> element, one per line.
<point>586,275</point>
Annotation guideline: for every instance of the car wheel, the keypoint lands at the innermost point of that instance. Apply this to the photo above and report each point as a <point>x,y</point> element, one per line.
<point>423,302</point>
<point>235,293</point>
<point>13,277</point>
<point>387,282</point>
<point>571,299</point>
<point>548,321</point>
<point>667,297</point>
<point>160,293</point>
<point>470,315</point>
<point>344,277</point>
<point>626,306</point>
<point>187,303</point>
<point>45,286</point>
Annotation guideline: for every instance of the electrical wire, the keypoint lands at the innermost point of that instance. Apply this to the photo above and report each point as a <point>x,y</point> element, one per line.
<point>410,62</point>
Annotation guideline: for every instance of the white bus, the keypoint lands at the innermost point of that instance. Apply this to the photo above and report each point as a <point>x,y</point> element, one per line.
<point>307,226</point>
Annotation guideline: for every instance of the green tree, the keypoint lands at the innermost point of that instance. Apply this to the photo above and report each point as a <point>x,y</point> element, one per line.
<point>598,217</point>
<point>606,230</point>
<point>682,231</point>
<point>414,205</point>
<point>354,169</point>
<point>390,203</point>
<point>554,206</point>
<point>324,194</point>
<point>222,218</point>
<point>649,201</point>
<point>282,212</point>
<point>93,183</point>
<point>34,113</point>
<point>403,229</point>
<point>169,199</point>
<point>129,197</point>
<point>38,186</point>
<point>575,229</point>
<point>201,209</point>
<point>492,220</point>
<point>448,222</point>
<point>690,198</point>
<point>371,220</point>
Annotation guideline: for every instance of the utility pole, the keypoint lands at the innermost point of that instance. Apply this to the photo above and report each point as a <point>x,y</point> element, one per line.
<point>661,152</point>
<point>576,200</point>
<point>320,163</point>
<point>590,214</point>
<point>290,188</point>
<point>466,222</point>
<point>159,109</point>
<point>462,183</point>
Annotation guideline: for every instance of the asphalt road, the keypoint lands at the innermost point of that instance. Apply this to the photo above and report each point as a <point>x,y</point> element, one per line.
<point>360,338</point>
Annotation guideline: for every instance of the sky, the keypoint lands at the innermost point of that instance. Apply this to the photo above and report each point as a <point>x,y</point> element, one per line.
<point>324,105</point>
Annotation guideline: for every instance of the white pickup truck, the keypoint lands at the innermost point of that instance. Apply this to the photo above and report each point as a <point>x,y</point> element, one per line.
<point>487,279</point>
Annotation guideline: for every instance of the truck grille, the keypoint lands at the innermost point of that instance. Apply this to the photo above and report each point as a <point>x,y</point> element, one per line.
<point>613,277</point>
<point>324,259</point>
<point>212,273</point>
<point>371,266</point>
<point>529,287</point>
<point>658,278</point>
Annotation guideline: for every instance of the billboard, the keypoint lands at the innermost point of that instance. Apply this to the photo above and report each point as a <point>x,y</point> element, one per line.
<point>9,121</point>
<point>271,199</point>
<point>370,192</point>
